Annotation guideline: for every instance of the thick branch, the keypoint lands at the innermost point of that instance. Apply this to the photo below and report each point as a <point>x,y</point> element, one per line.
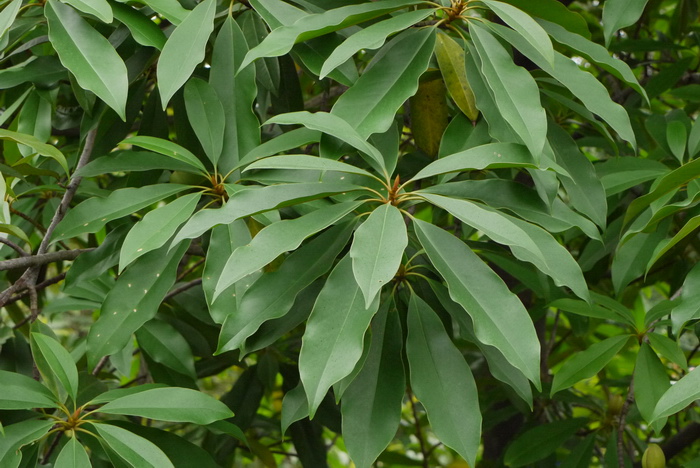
<point>39,260</point>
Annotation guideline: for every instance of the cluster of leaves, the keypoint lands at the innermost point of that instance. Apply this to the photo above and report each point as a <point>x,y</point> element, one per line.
<point>413,233</point>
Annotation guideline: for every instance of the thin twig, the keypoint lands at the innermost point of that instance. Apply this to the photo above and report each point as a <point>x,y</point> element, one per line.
<point>190,269</point>
<point>623,422</point>
<point>33,261</point>
<point>182,288</point>
<point>14,247</point>
<point>52,447</point>
<point>419,431</point>
<point>100,364</point>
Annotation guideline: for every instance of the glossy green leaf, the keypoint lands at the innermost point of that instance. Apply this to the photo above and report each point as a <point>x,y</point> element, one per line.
<point>304,162</point>
<point>15,436</point>
<point>678,396</point>
<point>8,15</point>
<point>111,395</point>
<point>133,449</point>
<point>335,126</point>
<point>688,228</point>
<point>276,239</point>
<point>537,443</point>
<point>170,404</point>
<point>172,10</point>
<point>500,319</point>
<point>514,90</point>
<point>580,456</point>
<point>167,148</point>
<point>281,40</point>
<point>297,272</point>
<point>267,71</point>
<point>40,148</point>
<point>437,369</point>
<point>156,228</point>
<point>689,307</point>
<point>134,300</point>
<point>73,455</point>
<point>527,241</point>
<point>389,80</point>
<point>677,137</point>
<point>587,363</point>
<point>619,174</point>
<point>651,381</point>
<point>22,392</point>
<point>450,57</point>
<point>555,12</point>
<point>371,405</point>
<point>143,30</point>
<point>618,14</point>
<point>294,407</point>
<point>133,161</point>
<point>377,249</point>
<point>88,55</point>
<point>292,139</point>
<point>59,361</point>
<point>92,214</point>
<point>668,349</point>
<point>206,115</point>
<point>165,345</point>
<point>694,140</point>
<point>98,8</point>
<point>335,331</point>
<point>184,50</point>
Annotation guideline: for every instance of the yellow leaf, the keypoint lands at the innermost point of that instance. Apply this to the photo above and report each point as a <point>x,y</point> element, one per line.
<point>450,56</point>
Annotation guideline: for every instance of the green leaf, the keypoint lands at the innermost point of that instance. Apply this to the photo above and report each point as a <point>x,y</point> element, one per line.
<point>437,370</point>
<point>22,392</point>
<point>97,8</point>
<point>541,441</point>
<point>580,456</point>
<point>289,140</point>
<point>73,455</point>
<point>170,404</point>
<point>678,396</point>
<point>370,105</point>
<point>450,57</point>
<point>172,10</point>
<point>620,174</point>
<point>111,395</point>
<point>184,50</point>
<point>632,258</point>
<point>689,307</point>
<point>88,55</point>
<point>8,15</point>
<point>586,364</point>
<point>92,214</point>
<point>514,90</point>
<point>377,249</point>
<point>555,12</point>
<point>500,319</point>
<point>135,450</point>
<point>133,161</point>
<point>167,148</point>
<point>304,162</point>
<point>235,86</point>
<point>165,345</point>
<point>334,335</point>
<point>133,300</point>
<point>335,126</point>
<point>668,349</point>
<point>618,14</point>
<point>17,435</point>
<point>156,228</point>
<point>693,140</point>
<point>206,115</point>
<point>524,25</point>
<point>143,30</point>
<point>677,137</point>
<point>40,148</point>
<point>372,37</point>
<point>60,362</point>
<point>527,241</point>
<point>282,39</point>
<point>276,239</point>
<point>294,407</point>
<point>651,381</point>
<point>297,272</point>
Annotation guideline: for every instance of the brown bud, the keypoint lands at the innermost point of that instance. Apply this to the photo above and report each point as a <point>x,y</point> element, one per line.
<point>654,457</point>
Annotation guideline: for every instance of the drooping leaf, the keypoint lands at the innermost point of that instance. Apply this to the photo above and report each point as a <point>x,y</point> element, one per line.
<point>651,381</point>
<point>165,345</point>
<point>143,30</point>
<point>450,57</point>
<point>40,148</point>
<point>555,12</point>
<point>206,115</point>
<point>15,436</point>
<point>437,369</point>
<point>167,148</point>
<point>668,349</point>
<point>689,307</point>
<point>22,392</point>
<point>59,361</point>
<point>133,449</point>
<point>8,15</point>
<point>678,396</point>
<point>677,138</point>
<point>88,55</point>
<point>98,8</point>
<point>618,14</point>
<point>335,331</point>
<point>540,441</point>
<point>73,455</point>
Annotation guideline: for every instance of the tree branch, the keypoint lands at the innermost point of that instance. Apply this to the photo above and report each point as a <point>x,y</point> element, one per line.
<point>34,261</point>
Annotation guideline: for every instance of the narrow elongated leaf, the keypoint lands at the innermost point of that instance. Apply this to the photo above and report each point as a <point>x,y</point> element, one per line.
<point>73,455</point>
<point>689,307</point>
<point>22,392</point>
<point>527,241</point>
<point>524,25</point>
<point>500,319</point>
<point>252,201</point>
<point>370,105</point>
<point>678,396</point>
<point>580,456</point>
<point>60,362</point>
<point>668,349</point>
<point>372,37</point>
<point>206,115</point>
<point>693,140</point>
<point>40,148</point>
<point>289,140</point>
<point>297,272</point>
<point>135,450</point>
<point>8,15</point>
<point>651,381</point>
<point>165,345</point>
<point>372,403</point>
<point>90,215</point>
<point>541,441</point>
<point>514,90</point>
<point>276,239</point>
<point>281,40</point>
<point>588,363</point>
<point>184,50</point>
<point>619,174</point>
<point>335,126</point>
<point>15,436</point>
<point>677,137</point>
<point>133,161</point>
<point>170,404</point>
<point>304,162</point>
<point>134,300</point>
<point>437,369</point>
<point>172,10</point>
<point>98,8</point>
<point>156,228</point>
<point>618,14</point>
<point>555,12</point>
<point>377,249</point>
<point>335,332</point>
<point>294,407</point>
<point>450,57</point>
<point>111,395</point>
<point>143,30</point>
<point>88,55</point>
<point>167,148</point>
